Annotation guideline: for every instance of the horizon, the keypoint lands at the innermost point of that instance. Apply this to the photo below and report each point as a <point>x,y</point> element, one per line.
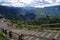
<point>30,3</point>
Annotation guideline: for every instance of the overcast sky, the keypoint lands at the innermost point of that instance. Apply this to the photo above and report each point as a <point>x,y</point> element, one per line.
<point>30,3</point>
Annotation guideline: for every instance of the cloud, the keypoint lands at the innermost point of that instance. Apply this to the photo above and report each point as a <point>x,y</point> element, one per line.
<point>30,3</point>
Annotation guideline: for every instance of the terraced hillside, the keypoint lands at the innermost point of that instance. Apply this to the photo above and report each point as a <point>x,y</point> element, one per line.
<point>28,34</point>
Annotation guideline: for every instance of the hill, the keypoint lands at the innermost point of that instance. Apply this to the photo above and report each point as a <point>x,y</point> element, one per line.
<point>25,13</point>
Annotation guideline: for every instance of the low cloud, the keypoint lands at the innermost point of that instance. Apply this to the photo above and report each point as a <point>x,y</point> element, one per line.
<point>31,3</point>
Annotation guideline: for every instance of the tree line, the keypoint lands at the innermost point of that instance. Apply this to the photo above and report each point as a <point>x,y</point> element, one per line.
<point>46,20</point>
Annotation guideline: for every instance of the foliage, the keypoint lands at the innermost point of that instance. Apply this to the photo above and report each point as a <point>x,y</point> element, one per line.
<point>46,20</point>
<point>1,37</point>
<point>35,24</point>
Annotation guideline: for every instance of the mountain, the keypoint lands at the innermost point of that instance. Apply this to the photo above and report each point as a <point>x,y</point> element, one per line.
<point>15,13</point>
<point>25,13</point>
<point>9,12</point>
<point>53,11</point>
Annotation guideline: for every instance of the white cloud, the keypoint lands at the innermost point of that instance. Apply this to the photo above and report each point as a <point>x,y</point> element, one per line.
<point>31,3</point>
<point>11,1</point>
<point>50,1</point>
<point>58,1</point>
<point>27,1</point>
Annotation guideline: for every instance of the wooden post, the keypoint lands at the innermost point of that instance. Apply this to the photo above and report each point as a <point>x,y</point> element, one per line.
<point>54,39</point>
<point>2,30</point>
<point>5,31</point>
<point>10,34</point>
<point>20,37</point>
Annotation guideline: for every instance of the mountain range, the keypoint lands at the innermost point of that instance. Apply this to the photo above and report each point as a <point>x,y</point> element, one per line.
<point>29,13</point>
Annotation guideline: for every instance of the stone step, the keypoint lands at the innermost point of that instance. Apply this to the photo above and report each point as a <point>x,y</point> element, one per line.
<point>53,35</point>
<point>43,34</point>
<point>56,36</point>
<point>49,34</point>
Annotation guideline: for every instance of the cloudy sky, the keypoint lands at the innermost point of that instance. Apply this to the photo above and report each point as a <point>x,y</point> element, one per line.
<point>30,3</point>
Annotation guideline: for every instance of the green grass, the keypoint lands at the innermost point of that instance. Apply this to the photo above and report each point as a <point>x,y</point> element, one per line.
<point>1,37</point>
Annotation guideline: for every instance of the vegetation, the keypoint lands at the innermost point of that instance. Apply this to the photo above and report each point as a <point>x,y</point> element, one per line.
<point>35,24</point>
<point>46,20</point>
<point>1,37</point>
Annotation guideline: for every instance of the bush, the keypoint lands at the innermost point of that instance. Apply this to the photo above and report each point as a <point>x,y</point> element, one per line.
<point>2,37</point>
